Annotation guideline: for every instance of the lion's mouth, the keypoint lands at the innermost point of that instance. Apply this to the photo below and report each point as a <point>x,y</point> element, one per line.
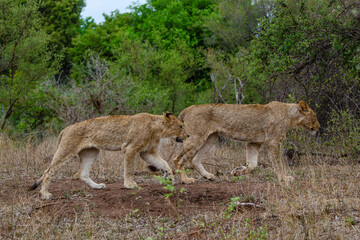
<point>312,131</point>
<point>179,140</point>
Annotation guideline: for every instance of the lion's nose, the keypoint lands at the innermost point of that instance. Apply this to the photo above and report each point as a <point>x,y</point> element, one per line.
<point>179,139</point>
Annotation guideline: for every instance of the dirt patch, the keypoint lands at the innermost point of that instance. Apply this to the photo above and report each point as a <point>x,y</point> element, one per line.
<point>71,197</point>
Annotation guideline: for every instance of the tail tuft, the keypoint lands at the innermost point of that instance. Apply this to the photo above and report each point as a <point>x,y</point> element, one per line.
<point>34,186</point>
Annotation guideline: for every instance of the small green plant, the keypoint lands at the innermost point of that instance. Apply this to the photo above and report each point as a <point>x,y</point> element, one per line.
<point>182,171</point>
<point>66,194</point>
<point>161,231</point>
<point>133,212</point>
<point>79,192</point>
<point>168,186</point>
<point>259,234</point>
<point>179,202</point>
<point>237,178</point>
<point>232,206</point>
<point>350,221</point>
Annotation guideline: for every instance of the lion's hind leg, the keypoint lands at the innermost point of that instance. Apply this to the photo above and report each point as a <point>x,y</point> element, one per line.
<point>87,158</point>
<point>59,159</point>
<point>252,155</point>
<point>190,148</point>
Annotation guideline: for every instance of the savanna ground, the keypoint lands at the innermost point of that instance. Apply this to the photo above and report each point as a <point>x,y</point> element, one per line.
<point>323,203</point>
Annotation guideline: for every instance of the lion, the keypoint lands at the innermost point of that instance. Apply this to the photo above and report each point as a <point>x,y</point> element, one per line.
<point>132,134</point>
<point>254,124</point>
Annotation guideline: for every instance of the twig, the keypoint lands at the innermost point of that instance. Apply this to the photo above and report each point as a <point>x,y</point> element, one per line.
<point>248,204</point>
<point>42,206</point>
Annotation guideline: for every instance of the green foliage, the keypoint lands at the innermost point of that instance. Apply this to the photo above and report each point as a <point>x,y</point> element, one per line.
<point>167,55</point>
<point>24,62</point>
<point>257,234</point>
<point>161,76</point>
<point>229,72</point>
<point>343,133</point>
<point>231,207</point>
<point>62,19</point>
<point>164,22</point>
<point>101,38</point>
<point>61,22</point>
<point>233,26</point>
<point>102,91</point>
<point>162,35</point>
<point>308,49</point>
<point>168,185</point>
<point>234,23</point>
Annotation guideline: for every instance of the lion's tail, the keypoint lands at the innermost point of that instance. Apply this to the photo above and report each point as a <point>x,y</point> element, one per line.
<point>36,184</point>
<point>39,181</point>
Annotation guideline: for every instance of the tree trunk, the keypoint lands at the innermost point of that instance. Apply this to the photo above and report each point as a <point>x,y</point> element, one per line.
<point>8,113</point>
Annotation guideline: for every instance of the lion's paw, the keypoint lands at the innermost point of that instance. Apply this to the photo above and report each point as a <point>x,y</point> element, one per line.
<point>100,186</point>
<point>239,170</point>
<point>187,180</point>
<point>289,179</point>
<point>210,177</point>
<point>130,185</point>
<point>46,195</point>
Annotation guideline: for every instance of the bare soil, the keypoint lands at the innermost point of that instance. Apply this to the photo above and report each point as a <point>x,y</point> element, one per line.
<point>70,197</point>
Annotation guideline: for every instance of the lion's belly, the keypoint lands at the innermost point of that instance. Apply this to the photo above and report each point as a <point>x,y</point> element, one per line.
<point>245,136</point>
<point>107,141</point>
<point>248,135</point>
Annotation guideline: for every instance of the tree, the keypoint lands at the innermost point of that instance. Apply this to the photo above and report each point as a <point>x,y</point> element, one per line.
<point>61,19</point>
<point>233,23</point>
<point>310,51</point>
<point>24,58</point>
<point>164,22</point>
<point>101,38</point>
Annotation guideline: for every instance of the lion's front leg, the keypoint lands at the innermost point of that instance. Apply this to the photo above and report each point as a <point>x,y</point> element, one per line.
<point>129,168</point>
<point>155,160</point>
<point>252,155</point>
<point>87,158</point>
<point>179,165</point>
<point>273,149</point>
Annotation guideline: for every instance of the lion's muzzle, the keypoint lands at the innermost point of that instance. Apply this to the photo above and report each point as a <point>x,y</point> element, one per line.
<point>179,140</point>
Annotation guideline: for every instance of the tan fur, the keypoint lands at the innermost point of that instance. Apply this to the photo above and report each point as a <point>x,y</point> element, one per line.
<point>137,134</point>
<point>254,124</point>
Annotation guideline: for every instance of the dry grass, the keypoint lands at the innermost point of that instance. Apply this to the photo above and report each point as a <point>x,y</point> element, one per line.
<point>323,203</point>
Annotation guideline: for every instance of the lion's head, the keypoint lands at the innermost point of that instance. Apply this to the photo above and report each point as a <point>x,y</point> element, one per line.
<point>173,128</point>
<point>308,119</point>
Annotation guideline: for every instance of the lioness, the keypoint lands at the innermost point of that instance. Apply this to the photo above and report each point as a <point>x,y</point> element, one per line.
<point>137,134</point>
<point>254,124</point>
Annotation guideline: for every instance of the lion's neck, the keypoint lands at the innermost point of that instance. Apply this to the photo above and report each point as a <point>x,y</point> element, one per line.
<point>294,115</point>
<point>158,128</point>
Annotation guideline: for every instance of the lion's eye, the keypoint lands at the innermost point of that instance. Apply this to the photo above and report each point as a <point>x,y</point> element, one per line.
<point>181,127</point>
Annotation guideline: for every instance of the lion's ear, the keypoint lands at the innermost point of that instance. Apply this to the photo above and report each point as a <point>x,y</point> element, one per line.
<point>166,116</point>
<point>303,106</point>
